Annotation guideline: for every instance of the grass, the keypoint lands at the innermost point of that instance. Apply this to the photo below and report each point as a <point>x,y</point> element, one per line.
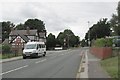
<point>111,66</point>
<point>10,55</point>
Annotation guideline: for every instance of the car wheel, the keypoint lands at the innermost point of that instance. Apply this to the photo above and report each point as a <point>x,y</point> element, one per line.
<point>24,57</point>
<point>44,54</point>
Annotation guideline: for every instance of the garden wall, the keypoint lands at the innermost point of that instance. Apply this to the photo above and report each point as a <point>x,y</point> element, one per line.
<point>101,52</point>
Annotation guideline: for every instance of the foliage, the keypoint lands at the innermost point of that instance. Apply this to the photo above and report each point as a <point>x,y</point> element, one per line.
<point>67,38</point>
<point>20,26</point>
<point>5,48</point>
<point>6,29</point>
<point>35,24</point>
<point>99,30</point>
<point>115,21</point>
<point>103,42</point>
<point>51,41</point>
<point>83,43</point>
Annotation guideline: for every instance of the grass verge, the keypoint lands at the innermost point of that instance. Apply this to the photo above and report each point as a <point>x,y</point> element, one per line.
<point>111,66</point>
<point>6,56</point>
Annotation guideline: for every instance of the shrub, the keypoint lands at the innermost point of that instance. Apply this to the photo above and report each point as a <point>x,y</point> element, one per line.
<point>103,42</point>
<point>5,48</point>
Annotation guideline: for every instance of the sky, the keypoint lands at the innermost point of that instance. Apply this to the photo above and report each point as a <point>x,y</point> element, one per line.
<point>59,15</point>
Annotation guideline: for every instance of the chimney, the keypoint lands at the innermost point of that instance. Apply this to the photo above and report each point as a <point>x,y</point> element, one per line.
<point>28,30</point>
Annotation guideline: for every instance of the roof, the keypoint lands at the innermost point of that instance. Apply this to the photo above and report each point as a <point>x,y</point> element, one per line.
<point>25,38</point>
<point>23,32</point>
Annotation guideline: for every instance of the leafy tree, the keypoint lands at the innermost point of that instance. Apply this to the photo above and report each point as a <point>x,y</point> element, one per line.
<point>20,26</point>
<point>35,24</point>
<point>5,49</point>
<point>60,38</point>
<point>99,30</point>
<point>6,29</point>
<point>83,43</point>
<point>51,41</point>
<point>68,38</point>
<point>115,21</point>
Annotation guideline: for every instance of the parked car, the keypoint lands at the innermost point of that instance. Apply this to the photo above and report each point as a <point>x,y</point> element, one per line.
<point>34,49</point>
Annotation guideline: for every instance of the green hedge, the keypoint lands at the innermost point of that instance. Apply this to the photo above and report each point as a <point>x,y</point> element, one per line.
<point>103,42</point>
<point>5,48</point>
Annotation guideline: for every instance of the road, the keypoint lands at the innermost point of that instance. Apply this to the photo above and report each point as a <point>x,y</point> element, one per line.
<point>56,64</point>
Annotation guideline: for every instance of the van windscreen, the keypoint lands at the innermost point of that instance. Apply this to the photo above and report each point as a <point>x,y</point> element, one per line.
<point>30,46</point>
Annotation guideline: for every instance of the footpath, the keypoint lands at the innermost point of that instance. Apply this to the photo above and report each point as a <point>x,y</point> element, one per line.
<point>91,68</point>
<point>10,59</point>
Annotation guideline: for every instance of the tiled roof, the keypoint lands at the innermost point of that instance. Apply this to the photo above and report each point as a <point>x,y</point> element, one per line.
<point>23,32</point>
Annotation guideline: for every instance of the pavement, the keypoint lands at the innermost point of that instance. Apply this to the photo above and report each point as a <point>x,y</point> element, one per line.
<point>10,59</point>
<point>92,67</point>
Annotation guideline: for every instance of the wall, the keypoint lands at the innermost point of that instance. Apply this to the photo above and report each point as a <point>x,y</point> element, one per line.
<point>101,52</point>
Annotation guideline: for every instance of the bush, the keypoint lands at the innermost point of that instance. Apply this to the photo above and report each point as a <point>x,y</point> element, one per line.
<point>103,42</point>
<point>5,48</point>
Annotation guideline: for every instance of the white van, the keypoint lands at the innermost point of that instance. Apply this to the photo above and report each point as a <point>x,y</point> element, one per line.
<point>34,49</point>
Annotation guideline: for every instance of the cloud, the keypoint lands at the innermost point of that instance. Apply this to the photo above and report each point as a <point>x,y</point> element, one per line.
<point>58,16</point>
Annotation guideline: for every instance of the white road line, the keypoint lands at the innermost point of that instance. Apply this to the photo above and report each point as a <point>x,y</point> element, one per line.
<point>41,61</point>
<point>14,70</point>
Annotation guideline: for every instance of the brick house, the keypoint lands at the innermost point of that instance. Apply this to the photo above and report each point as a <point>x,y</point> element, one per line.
<point>18,38</point>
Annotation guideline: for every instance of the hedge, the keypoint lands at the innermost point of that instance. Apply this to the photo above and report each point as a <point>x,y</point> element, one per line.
<point>103,42</point>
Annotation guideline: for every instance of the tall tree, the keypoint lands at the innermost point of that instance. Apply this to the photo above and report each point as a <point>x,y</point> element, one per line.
<point>99,30</point>
<point>115,21</point>
<point>35,24</point>
<point>68,38</point>
<point>6,28</point>
<point>51,41</point>
<point>20,26</point>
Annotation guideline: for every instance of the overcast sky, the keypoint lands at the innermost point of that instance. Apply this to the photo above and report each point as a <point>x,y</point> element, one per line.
<point>58,16</point>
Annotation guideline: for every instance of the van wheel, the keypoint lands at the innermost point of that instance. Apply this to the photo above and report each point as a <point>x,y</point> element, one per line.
<point>24,57</point>
<point>44,54</point>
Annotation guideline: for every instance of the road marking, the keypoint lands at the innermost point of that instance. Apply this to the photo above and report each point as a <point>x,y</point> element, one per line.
<point>14,70</point>
<point>41,61</point>
<point>80,66</point>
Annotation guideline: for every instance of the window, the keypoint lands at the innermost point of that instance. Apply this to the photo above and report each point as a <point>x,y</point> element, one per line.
<point>30,46</point>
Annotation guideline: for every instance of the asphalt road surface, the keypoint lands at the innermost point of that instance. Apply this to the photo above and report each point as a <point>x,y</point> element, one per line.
<point>56,64</point>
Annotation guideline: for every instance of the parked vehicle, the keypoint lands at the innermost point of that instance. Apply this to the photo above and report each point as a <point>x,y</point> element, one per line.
<point>34,49</point>
<point>116,41</point>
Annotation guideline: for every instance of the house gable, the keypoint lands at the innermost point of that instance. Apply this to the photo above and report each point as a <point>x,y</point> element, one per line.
<point>22,40</point>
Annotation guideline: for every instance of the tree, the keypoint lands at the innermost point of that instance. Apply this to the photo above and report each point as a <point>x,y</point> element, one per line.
<point>35,24</point>
<point>6,29</point>
<point>61,38</point>
<point>83,43</point>
<point>5,49</point>
<point>68,38</point>
<point>20,26</point>
<point>99,30</point>
<point>51,41</point>
<point>115,21</point>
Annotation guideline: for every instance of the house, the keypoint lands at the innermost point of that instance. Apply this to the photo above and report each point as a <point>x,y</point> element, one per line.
<point>18,38</point>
